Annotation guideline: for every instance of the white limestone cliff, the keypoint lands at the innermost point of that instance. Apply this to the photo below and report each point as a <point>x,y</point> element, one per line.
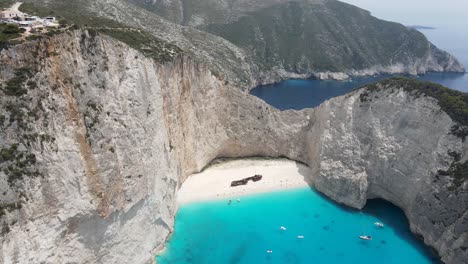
<point>126,132</point>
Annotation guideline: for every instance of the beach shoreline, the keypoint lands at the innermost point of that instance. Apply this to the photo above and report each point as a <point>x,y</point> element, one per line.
<point>214,183</point>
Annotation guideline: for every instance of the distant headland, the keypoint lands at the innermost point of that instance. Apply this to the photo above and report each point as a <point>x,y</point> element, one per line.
<point>421,27</point>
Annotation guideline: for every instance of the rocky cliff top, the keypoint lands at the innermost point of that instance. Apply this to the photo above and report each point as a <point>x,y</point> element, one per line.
<point>452,102</point>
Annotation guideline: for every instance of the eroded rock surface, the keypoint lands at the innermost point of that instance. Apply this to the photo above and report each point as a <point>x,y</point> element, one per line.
<point>114,134</point>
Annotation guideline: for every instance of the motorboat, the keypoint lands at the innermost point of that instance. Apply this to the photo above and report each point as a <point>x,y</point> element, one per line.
<point>379,224</point>
<point>283,228</point>
<point>365,237</point>
<point>300,237</point>
<point>269,251</point>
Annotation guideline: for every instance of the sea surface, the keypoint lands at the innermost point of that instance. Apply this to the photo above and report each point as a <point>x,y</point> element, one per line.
<point>300,94</point>
<point>216,232</point>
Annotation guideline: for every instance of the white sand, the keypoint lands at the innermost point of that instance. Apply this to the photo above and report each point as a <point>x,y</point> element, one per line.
<point>215,181</point>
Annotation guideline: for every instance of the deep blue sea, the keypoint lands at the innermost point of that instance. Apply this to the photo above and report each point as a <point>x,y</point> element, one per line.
<point>299,94</point>
<point>218,233</point>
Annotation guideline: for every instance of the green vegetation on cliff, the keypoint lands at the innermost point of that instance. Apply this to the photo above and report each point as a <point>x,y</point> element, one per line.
<point>140,40</point>
<point>323,37</point>
<point>452,102</point>
<point>76,13</point>
<point>15,86</point>
<point>9,32</point>
<point>6,3</point>
<point>458,171</point>
<point>301,36</point>
<point>16,164</point>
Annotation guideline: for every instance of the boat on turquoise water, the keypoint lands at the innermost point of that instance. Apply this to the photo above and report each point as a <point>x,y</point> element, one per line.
<point>365,237</point>
<point>253,226</point>
<point>379,224</point>
<point>283,228</point>
<point>300,237</point>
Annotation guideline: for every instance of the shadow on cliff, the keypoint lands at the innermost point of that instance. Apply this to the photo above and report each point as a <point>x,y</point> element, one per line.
<point>304,170</point>
<point>393,217</point>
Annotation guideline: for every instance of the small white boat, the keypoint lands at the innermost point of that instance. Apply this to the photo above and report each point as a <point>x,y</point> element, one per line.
<point>300,237</point>
<point>283,228</point>
<point>269,251</point>
<point>238,200</point>
<point>365,237</point>
<point>379,224</point>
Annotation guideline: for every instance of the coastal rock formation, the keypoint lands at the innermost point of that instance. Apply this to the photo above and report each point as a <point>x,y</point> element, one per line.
<point>98,138</point>
<point>396,145</point>
<point>252,42</point>
<point>326,39</point>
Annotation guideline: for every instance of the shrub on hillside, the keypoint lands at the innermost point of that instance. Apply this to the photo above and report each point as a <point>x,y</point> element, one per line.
<point>11,29</point>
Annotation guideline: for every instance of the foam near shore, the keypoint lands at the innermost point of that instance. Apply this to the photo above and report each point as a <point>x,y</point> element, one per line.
<point>215,181</point>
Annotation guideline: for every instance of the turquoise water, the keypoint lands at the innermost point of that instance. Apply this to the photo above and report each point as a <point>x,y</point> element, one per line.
<point>217,233</point>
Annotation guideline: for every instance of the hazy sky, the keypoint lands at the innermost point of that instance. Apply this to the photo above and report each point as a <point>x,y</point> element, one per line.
<point>421,12</point>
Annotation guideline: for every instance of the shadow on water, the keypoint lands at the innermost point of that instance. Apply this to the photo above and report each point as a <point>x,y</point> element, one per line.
<point>239,253</point>
<point>395,218</point>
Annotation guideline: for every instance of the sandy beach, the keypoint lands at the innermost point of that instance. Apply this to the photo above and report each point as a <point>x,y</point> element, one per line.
<point>215,181</point>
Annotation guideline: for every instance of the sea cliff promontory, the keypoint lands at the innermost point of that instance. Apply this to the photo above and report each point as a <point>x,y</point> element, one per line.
<point>97,139</point>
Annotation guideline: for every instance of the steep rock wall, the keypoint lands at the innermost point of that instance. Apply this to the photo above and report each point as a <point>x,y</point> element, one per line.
<point>122,134</point>
<point>391,144</point>
<point>114,135</point>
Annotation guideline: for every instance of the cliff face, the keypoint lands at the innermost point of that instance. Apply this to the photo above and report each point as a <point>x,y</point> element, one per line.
<point>110,136</point>
<point>393,145</point>
<point>99,138</point>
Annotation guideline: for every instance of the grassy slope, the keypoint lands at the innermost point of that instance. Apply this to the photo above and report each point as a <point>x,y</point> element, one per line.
<point>75,12</point>
<point>6,3</point>
<point>209,10</point>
